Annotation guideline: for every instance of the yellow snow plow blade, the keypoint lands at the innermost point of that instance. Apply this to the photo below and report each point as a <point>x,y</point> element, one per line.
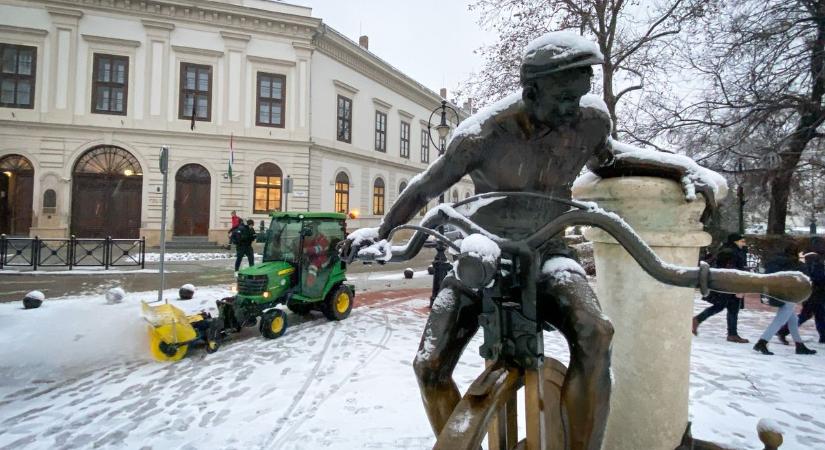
<point>168,327</point>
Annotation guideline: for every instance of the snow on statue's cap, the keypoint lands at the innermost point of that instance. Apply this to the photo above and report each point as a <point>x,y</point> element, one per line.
<point>557,51</point>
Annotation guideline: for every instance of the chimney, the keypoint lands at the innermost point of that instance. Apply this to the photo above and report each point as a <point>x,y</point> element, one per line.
<point>443,93</point>
<point>364,41</point>
<point>468,105</point>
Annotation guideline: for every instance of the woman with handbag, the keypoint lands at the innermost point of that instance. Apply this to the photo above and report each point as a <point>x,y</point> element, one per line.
<point>787,260</point>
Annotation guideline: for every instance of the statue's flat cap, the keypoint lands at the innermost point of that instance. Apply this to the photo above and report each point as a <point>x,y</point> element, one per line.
<point>557,51</point>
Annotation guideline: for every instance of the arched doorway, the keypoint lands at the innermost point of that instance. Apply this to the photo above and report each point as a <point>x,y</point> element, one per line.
<point>107,185</point>
<point>192,193</point>
<point>16,191</point>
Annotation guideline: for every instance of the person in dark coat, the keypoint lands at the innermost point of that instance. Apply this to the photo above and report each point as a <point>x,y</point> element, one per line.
<point>785,261</point>
<point>732,255</point>
<point>245,233</point>
<point>815,305</point>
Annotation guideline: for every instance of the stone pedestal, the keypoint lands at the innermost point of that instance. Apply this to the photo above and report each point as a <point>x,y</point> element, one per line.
<point>651,346</point>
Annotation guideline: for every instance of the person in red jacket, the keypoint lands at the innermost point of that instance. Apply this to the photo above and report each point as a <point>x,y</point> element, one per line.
<point>316,252</point>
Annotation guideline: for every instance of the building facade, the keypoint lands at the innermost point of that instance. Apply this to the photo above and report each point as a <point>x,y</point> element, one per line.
<point>90,91</point>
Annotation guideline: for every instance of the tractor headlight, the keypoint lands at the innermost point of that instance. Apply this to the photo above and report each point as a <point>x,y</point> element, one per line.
<point>234,288</point>
<point>475,271</point>
<point>266,294</point>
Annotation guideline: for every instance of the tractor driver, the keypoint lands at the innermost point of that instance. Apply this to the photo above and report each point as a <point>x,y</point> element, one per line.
<point>537,140</point>
<point>316,252</point>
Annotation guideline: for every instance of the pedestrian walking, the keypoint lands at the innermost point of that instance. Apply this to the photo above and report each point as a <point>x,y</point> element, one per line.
<point>245,233</point>
<point>732,255</point>
<point>815,305</point>
<point>787,260</point>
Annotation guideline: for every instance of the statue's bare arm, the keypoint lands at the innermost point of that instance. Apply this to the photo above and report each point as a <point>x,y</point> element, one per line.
<point>447,170</point>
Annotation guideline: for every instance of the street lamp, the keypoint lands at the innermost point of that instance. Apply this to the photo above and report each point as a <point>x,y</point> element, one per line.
<point>440,263</point>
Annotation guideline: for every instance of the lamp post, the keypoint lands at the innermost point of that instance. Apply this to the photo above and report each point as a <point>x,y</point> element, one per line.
<point>440,263</point>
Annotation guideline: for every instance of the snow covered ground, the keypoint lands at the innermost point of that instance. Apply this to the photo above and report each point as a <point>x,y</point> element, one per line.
<point>76,374</point>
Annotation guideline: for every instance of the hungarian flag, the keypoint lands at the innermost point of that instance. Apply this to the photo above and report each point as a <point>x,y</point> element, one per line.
<point>231,157</point>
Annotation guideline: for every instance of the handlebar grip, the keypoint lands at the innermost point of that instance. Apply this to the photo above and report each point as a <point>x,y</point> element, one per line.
<point>792,287</point>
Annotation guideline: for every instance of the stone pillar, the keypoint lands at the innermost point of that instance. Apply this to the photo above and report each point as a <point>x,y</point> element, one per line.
<point>651,346</point>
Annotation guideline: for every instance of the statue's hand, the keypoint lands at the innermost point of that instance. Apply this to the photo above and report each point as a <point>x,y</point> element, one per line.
<point>364,244</point>
<point>692,177</point>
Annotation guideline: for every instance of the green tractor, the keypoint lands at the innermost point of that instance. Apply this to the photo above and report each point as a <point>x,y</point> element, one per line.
<point>301,269</point>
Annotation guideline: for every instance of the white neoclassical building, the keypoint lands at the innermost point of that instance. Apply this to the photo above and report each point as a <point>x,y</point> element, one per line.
<point>90,90</point>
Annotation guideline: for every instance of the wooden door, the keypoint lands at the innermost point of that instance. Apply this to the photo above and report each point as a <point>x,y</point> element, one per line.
<point>107,185</point>
<point>106,206</point>
<point>192,195</point>
<point>16,191</point>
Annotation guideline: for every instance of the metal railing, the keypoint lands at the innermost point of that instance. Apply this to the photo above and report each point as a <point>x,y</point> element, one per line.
<point>72,252</point>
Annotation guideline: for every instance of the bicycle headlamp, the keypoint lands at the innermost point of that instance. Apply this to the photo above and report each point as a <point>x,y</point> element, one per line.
<point>474,271</point>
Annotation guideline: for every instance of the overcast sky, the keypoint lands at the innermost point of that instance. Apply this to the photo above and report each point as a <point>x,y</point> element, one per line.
<point>431,41</point>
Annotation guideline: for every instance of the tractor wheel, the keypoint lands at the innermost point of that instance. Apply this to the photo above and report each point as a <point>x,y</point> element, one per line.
<point>162,351</point>
<point>300,308</point>
<point>273,324</point>
<point>338,303</point>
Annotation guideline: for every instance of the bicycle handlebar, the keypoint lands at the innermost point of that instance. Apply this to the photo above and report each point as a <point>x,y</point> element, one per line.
<point>786,286</point>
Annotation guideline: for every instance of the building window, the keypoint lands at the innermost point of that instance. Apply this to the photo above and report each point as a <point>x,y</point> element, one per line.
<point>110,84</point>
<point>401,187</point>
<point>341,193</point>
<point>380,131</point>
<point>344,119</point>
<point>455,196</point>
<point>268,181</point>
<point>270,104</point>
<point>405,140</point>
<point>195,92</point>
<point>17,76</point>
<point>425,146</point>
<point>378,197</point>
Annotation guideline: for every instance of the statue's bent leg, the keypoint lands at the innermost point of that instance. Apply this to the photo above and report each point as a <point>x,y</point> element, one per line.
<point>568,302</point>
<point>452,323</point>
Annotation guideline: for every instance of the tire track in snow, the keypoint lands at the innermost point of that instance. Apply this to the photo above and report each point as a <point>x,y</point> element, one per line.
<point>301,392</point>
<point>381,345</point>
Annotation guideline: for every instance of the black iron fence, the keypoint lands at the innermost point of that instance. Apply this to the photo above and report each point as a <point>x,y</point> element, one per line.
<point>72,252</point>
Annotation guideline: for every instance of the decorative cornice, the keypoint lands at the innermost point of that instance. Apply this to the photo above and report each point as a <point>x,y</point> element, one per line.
<point>159,25</point>
<point>110,41</point>
<point>197,51</point>
<point>214,14</point>
<point>55,11</point>
<point>23,30</point>
<point>405,114</point>
<point>270,61</point>
<point>381,103</point>
<point>344,86</point>
<point>424,124</point>
<point>236,36</point>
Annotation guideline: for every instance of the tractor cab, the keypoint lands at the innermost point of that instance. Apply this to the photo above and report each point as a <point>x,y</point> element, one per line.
<point>306,243</point>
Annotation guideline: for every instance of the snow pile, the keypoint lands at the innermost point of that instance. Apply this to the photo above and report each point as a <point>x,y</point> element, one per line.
<point>564,42</point>
<point>188,287</point>
<point>595,102</point>
<point>471,126</point>
<point>115,295</point>
<point>75,334</point>
<point>377,251</point>
<point>561,269</point>
<point>37,295</point>
<point>481,246</point>
<point>363,234</point>
<point>694,172</point>
<point>768,425</point>
<point>468,209</point>
<point>187,256</point>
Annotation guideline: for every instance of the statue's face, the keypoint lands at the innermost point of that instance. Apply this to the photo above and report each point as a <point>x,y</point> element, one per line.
<point>556,96</point>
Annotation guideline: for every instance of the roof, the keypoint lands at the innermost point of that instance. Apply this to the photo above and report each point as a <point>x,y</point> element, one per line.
<point>307,215</point>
